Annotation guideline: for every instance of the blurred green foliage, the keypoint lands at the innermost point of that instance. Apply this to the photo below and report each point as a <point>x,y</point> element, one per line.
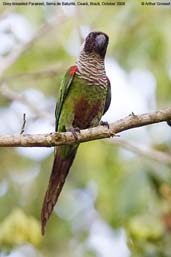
<point>17,228</point>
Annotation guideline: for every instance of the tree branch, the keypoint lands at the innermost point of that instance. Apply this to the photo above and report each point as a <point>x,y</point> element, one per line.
<point>18,51</point>
<point>156,155</point>
<point>54,139</point>
<point>11,58</point>
<point>14,96</point>
<point>45,73</point>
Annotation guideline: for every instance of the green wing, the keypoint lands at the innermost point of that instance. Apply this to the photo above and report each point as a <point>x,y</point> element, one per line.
<point>63,91</point>
<point>108,96</point>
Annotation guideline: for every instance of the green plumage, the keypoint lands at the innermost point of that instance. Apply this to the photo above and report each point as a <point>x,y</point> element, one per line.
<point>81,99</point>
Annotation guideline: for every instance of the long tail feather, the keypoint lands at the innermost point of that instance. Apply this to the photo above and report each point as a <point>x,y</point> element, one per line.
<point>59,173</point>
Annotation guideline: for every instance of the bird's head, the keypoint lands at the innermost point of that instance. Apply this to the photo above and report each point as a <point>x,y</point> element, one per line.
<point>96,42</point>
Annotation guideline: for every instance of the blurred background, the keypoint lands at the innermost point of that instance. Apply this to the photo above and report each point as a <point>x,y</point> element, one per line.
<point>116,201</point>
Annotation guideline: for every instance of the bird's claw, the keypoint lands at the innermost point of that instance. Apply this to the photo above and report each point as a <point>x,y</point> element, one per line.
<point>169,122</point>
<point>104,123</point>
<point>74,131</point>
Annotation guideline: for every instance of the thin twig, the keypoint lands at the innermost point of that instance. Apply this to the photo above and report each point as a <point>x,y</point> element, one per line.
<point>24,124</point>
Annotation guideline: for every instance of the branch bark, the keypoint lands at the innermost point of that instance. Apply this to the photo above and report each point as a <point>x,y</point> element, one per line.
<point>64,138</point>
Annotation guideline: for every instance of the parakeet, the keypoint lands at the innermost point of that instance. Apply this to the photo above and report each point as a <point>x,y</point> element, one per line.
<point>84,96</point>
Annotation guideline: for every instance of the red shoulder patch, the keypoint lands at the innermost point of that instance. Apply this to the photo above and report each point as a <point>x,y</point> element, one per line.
<point>73,70</point>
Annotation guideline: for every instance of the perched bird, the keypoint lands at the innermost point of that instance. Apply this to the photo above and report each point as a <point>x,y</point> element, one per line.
<point>84,96</point>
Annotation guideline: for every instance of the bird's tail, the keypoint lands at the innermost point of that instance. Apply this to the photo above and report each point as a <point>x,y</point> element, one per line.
<point>60,171</point>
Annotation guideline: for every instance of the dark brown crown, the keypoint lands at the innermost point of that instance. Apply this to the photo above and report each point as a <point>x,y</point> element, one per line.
<point>96,42</point>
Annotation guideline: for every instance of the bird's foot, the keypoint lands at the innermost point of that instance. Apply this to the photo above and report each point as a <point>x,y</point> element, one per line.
<point>74,131</point>
<point>169,122</point>
<point>104,123</point>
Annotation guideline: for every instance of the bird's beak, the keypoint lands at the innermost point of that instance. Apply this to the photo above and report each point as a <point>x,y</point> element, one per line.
<point>100,41</point>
